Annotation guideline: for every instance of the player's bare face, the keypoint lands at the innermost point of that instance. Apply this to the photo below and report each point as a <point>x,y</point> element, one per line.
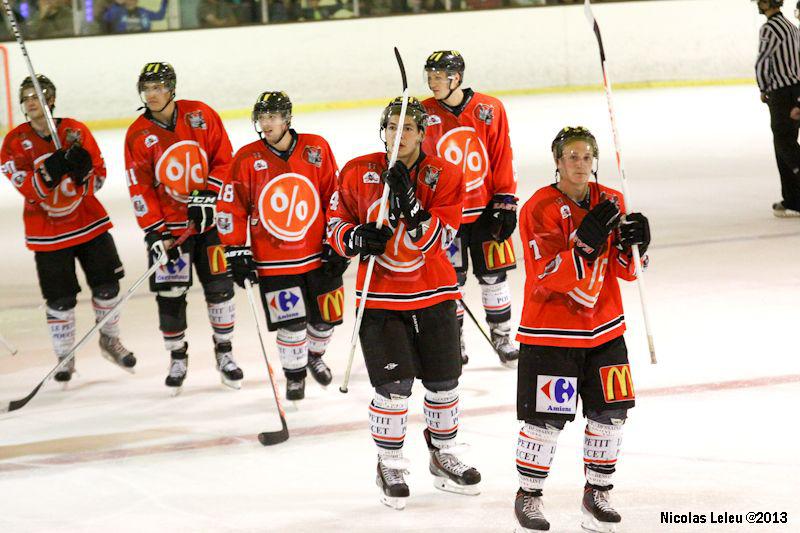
<point>575,165</point>
<point>410,139</point>
<point>156,95</point>
<point>273,126</point>
<point>31,105</point>
<point>439,83</point>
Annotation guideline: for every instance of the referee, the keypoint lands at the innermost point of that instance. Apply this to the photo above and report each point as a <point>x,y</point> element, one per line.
<point>778,76</point>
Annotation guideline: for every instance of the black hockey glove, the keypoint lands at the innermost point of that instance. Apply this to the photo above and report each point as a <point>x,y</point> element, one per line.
<point>55,168</point>
<point>404,197</point>
<point>241,264</point>
<point>159,244</point>
<point>202,210</point>
<point>80,163</point>
<point>635,230</point>
<point>367,239</point>
<point>333,264</point>
<point>594,230</point>
<point>503,216</point>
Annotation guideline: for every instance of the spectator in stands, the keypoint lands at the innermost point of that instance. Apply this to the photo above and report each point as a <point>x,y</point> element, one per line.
<point>216,13</point>
<point>313,11</point>
<point>127,16</point>
<point>54,19</point>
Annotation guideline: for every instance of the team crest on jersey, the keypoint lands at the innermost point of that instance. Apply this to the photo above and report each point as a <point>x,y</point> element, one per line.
<point>260,164</point>
<point>313,155</point>
<point>431,176</point>
<point>195,120</point>
<point>72,135</point>
<point>139,205</point>
<point>371,177</point>
<point>565,211</point>
<point>224,223</point>
<point>150,140</point>
<point>484,113</point>
<point>27,144</point>
<point>433,120</point>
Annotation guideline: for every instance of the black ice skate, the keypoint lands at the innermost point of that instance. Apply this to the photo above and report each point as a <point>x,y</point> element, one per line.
<point>229,372</point>
<point>112,349</point>
<point>501,339</point>
<point>295,388</point>
<point>450,474</point>
<point>528,510</point>
<point>781,211</point>
<point>319,370</point>
<point>392,483</point>
<point>598,514</point>
<point>177,369</point>
<point>64,375</point>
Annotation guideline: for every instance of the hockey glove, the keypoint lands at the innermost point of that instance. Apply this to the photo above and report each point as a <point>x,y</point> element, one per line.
<point>635,230</point>
<point>55,168</point>
<point>202,210</point>
<point>503,216</point>
<point>403,195</point>
<point>80,163</point>
<point>333,264</point>
<point>241,264</point>
<point>159,244</point>
<point>367,239</point>
<point>595,228</point>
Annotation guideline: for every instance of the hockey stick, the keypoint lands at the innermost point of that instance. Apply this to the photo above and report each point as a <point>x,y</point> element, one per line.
<point>477,324</point>
<point>267,438</point>
<point>51,125</point>
<point>8,346</point>
<point>381,212</point>
<point>19,404</point>
<point>637,260</point>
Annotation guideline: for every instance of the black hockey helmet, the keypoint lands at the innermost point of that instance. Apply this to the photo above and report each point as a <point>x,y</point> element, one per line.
<point>276,102</point>
<point>414,109</point>
<point>158,72</point>
<point>771,4</point>
<point>48,87</point>
<point>450,61</point>
<point>569,134</point>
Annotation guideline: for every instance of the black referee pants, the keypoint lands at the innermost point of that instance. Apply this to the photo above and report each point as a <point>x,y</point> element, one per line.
<point>784,136</point>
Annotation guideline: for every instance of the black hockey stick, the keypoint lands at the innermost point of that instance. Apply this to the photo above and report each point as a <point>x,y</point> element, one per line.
<point>22,402</point>
<point>267,438</point>
<point>381,212</point>
<point>637,260</point>
<point>477,324</point>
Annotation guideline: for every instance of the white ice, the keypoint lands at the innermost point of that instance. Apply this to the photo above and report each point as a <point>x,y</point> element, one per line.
<point>116,453</point>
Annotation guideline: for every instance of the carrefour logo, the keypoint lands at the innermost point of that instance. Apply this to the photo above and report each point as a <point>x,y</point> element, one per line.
<point>556,394</point>
<point>286,304</point>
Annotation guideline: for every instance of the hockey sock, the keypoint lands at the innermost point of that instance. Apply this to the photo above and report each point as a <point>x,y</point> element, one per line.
<point>536,447</point>
<point>601,443</point>
<point>318,339</point>
<point>496,301</point>
<point>173,340</point>
<point>293,350</point>
<point>101,309</point>
<point>222,316</point>
<point>441,416</point>
<point>387,423</point>
<point>62,329</point>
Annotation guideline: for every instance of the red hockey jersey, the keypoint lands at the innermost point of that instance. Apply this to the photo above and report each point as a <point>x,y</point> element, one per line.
<point>408,275</point>
<point>66,215</point>
<point>476,141</point>
<point>282,198</point>
<point>164,166</point>
<point>568,301</point>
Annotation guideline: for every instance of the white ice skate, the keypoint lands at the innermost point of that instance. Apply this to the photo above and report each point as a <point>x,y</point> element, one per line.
<point>390,479</point>
<point>229,372</point>
<point>449,473</point>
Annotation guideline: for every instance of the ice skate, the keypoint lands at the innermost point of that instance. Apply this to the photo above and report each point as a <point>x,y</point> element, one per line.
<point>464,356</point>
<point>528,510</point>
<point>450,474</point>
<point>64,375</point>
<point>501,340</point>
<point>229,372</point>
<point>391,481</point>
<point>295,388</point>
<point>112,349</point>
<point>319,370</point>
<point>598,514</point>
<point>781,211</point>
<point>177,370</point>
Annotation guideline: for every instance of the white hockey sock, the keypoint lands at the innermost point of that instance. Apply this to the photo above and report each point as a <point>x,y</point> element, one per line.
<point>101,309</point>
<point>62,330</point>
<point>536,447</point>
<point>173,340</point>
<point>318,340</point>
<point>496,299</point>
<point>222,316</point>
<point>441,416</point>
<point>293,349</point>
<point>388,419</point>
<point>601,443</point>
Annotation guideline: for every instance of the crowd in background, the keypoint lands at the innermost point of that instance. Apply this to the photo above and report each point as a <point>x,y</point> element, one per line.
<point>43,19</point>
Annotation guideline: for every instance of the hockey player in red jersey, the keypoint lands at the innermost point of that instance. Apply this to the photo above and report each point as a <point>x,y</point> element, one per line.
<point>409,328</point>
<point>64,221</point>
<point>577,246</point>
<point>177,153</point>
<point>279,187</point>
<point>470,130</point>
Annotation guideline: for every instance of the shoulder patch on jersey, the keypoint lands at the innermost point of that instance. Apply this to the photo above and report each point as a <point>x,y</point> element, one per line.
<point>371,177</point>
<point>313,155</point>
<point>150,140</point>
<point>433,120</point>
<point>565,211</point>
<point>431,176</point>
<point>260,164</point>
<point>139,205</point>
<point>27,144</point>
<point>18,178</point>
<point>72,135</point>
<point>224,223</point>
<point>194,119</point>
<point>484,113</point>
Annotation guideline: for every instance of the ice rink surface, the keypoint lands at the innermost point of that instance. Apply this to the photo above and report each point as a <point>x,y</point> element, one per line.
<point>714,430</point>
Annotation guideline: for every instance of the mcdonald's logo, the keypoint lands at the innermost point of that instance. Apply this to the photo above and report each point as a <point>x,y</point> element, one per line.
<point>216,259</point>
<point>617,383</point>
<point>498,255</point>
<point>331,305</point>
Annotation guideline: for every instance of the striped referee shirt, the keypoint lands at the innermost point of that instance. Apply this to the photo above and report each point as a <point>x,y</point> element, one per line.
<point>778,63</point>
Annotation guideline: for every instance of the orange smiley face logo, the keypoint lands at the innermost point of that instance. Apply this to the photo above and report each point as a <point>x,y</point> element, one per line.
<point>288,205</point>
<point>401,253</point>
<point>182,168</point>
<point>64,198</point>
<point>462,147</point>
